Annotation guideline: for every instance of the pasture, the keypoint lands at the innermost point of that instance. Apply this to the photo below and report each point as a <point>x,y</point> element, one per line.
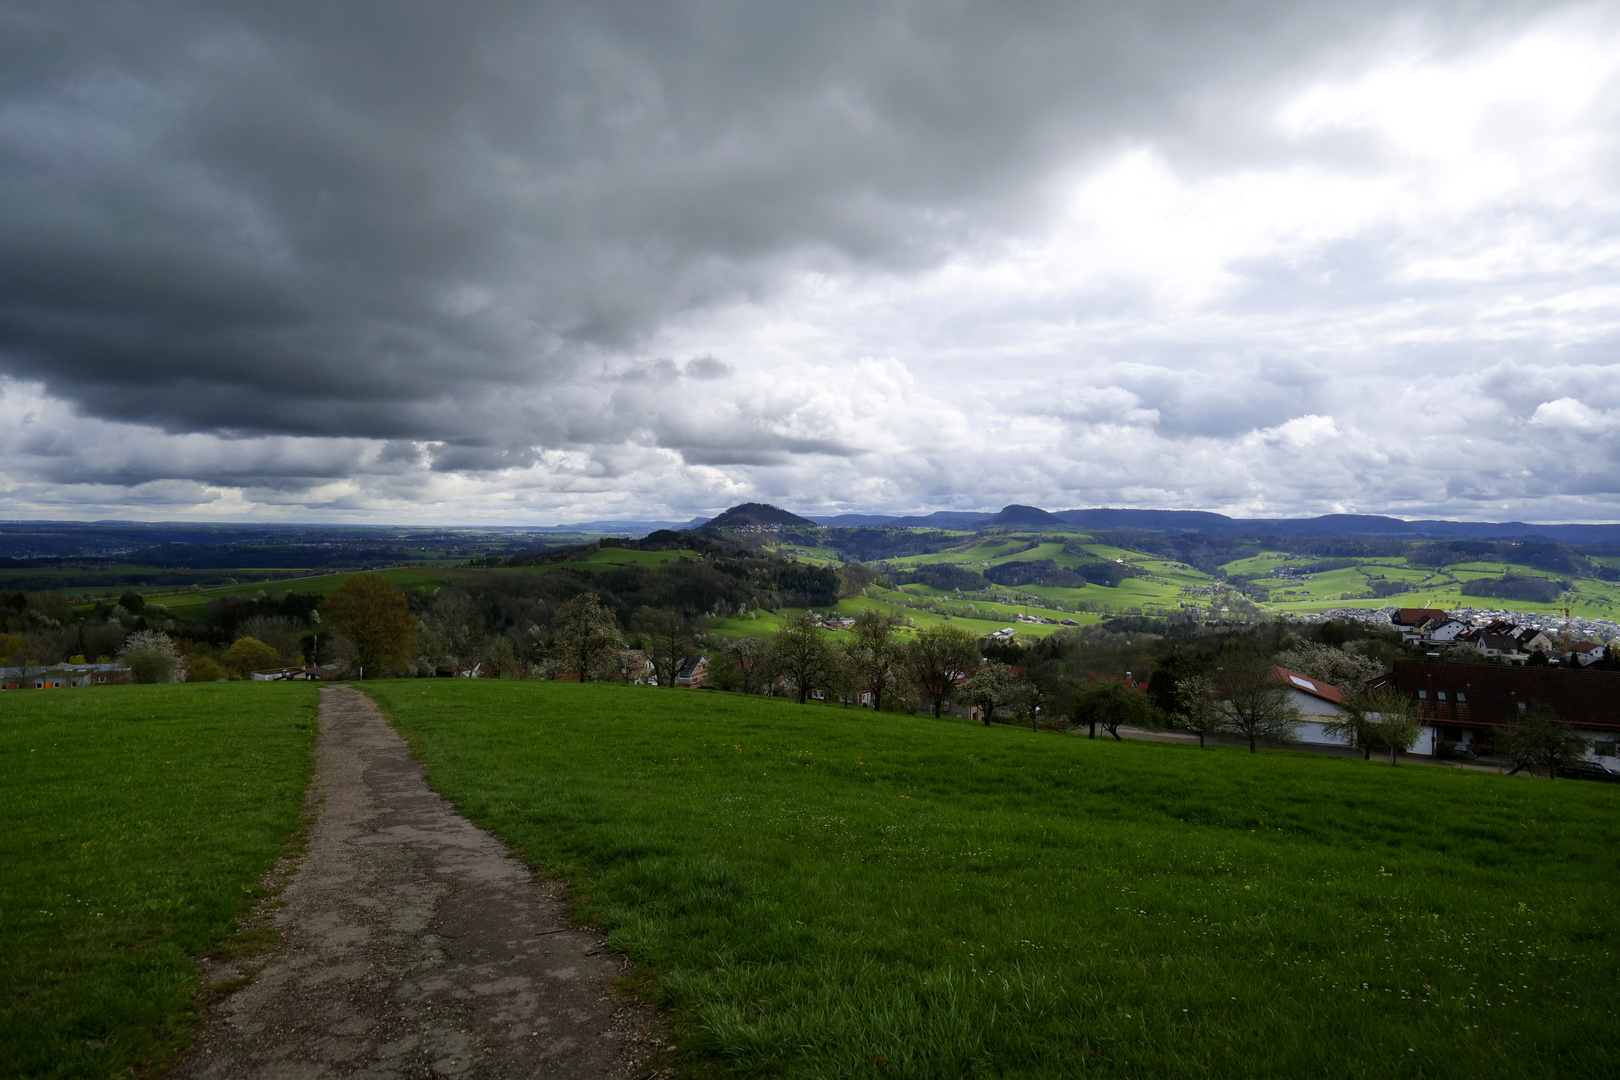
<point>817,891</point>
<point>136,823</point>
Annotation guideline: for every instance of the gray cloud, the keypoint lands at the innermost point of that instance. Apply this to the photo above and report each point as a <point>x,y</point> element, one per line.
<point>369,254</point>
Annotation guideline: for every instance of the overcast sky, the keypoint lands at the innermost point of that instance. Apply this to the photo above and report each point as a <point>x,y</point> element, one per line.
<point>546,262</point>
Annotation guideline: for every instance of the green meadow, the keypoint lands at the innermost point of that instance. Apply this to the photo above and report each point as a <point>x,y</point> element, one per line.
<point>1427,587</point>
<point>822,892</point>
<point>136,824</point>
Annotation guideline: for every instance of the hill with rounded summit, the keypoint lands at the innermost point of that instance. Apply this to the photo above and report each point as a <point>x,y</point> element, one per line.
<point>755,515</point>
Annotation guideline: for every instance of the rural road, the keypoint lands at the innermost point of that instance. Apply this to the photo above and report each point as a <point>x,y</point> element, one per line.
<point>413,945</point>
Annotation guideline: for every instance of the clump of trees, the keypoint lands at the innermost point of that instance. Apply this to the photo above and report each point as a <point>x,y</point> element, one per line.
<point>1516,587</point>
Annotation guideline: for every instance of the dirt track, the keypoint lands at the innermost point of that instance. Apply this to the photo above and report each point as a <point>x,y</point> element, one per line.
<point>413,945</point>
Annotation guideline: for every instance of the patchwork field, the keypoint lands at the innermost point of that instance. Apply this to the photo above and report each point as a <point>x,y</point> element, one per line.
<point>1428,587</point>
<point>135,825</point>
<point>824,892</point>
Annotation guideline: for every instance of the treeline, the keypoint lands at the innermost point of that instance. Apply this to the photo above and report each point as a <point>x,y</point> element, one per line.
<point>1136,672</point>
<point>1543,555</point>
<point>874,545</point>
<point>949,576</point>
<point>499,618</point>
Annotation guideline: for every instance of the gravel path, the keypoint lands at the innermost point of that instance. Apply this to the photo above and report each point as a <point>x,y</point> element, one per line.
<point>413,945</point>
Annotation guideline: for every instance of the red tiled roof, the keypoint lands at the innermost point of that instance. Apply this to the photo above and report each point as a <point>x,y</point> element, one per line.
<point>1411,616</point>
<point>1307,685</point>
<point>1494,692</point>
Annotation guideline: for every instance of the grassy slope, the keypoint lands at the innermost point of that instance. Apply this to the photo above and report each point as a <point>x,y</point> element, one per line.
<point>607,558</point>
<point>817,890</point>
<point>1159,592</point>
<point>134,823</point>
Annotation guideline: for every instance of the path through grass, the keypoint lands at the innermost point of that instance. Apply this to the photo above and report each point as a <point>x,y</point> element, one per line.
<point>825,892</point>
<point>135,823</point>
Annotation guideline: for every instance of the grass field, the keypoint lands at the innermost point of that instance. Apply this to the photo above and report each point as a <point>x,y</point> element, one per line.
<point>765,623</point>
<point>825,892</point>
<point>607,558</point>
<point>135,822</point>
<point>1429,587</point>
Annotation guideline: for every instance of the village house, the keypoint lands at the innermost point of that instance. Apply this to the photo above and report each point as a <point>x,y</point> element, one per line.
<point>63,676</point>
<point>1472,704</point>
<point>1410,621</point>
<point>1318,702</point>
<point>1444,631</point>
<point>1499,647</point>
<point>1587,653</point>
<point>692,671</point>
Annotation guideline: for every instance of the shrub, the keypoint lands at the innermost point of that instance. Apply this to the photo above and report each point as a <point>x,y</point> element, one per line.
<point>150,657</point>
<point>204,669</point>
<point>249,654</point>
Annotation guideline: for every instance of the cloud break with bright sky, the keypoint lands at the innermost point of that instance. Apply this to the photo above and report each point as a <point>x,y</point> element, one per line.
<point>542,262</point>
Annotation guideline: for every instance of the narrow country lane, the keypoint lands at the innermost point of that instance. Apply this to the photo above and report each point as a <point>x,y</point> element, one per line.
<point>413,945</point>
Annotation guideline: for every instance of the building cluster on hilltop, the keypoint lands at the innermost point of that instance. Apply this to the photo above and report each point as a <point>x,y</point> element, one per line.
<point>1497,639</point>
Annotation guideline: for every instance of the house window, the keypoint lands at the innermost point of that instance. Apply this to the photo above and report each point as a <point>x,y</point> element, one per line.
<point>1462,697</point>
<point>1605,749</point>
<point>1522,706</point>
<point>1423,695</point>
<point>1441,695</point>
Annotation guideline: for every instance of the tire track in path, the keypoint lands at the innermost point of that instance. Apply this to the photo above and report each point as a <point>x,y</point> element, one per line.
<point>412,944</point>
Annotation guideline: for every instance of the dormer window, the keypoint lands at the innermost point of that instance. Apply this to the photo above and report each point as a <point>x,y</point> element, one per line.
<point>1462,698</point>
<point>1423,695</point>
<point>1441,695</point>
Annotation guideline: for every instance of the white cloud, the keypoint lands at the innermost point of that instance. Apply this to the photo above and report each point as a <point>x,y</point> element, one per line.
<point>1568,414</point>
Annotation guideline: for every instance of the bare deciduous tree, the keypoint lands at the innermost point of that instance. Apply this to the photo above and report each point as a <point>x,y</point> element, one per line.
<point>936,657</point>
<point>1253,705</point>
<point>802,655</point>
<point>667,637</point>
<point>1541,738</point>
<point>872,655</point>
<point>1195,707</point>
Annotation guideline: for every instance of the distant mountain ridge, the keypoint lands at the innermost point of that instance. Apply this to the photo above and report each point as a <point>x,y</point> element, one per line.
<point>1372,526</point>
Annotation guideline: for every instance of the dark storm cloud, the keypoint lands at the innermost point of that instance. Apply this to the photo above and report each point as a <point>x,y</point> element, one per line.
<point>376,219</point>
